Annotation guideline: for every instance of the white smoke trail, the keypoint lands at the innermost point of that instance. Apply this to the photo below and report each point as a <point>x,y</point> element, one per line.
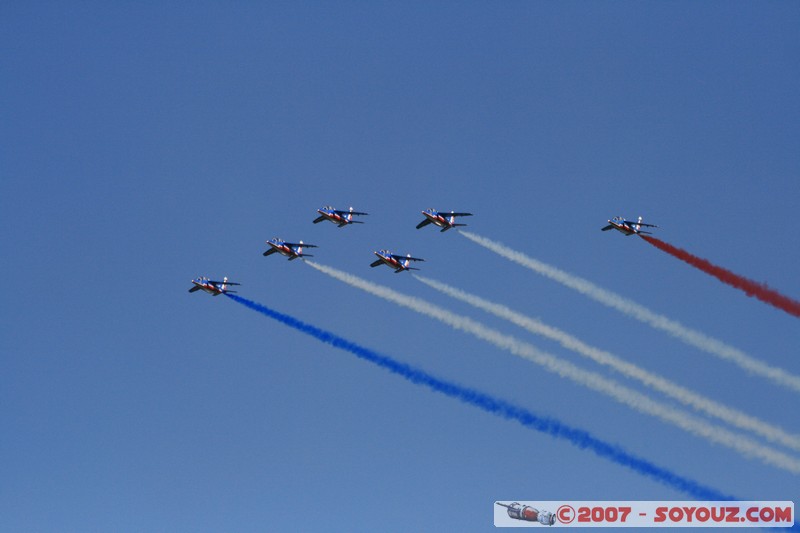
<point>683,395</point>
<point>615,390</point>
<point>641,313</point>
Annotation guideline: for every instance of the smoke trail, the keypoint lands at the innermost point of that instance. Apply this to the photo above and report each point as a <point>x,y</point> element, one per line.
<point>641,313</point>
<point>592,380</point>
<point>550,426</point>
<point>685,396</point>
<point>750,287</point>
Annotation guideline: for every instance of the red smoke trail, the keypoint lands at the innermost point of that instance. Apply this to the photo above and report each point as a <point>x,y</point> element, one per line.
<point>752,288</point>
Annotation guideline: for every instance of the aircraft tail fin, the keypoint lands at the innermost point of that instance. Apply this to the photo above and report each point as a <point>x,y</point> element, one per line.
<point>639,224</point>
<point>224,283</point>
<point>450,226</point>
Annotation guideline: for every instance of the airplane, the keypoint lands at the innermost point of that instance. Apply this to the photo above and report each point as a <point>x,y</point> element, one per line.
<point>627,227</point>
<point>340,218</point>
<point>397,262</point>
<point>444,221</point>
<point>289,249</point>
<point>212,287</point>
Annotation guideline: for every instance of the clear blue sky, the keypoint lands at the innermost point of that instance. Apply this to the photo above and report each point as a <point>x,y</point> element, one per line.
<point>144,144</point>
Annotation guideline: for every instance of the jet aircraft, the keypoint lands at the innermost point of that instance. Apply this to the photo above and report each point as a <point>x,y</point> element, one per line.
<point>443,220</point>
<point>338,217</point>
<point>397,262</point>
<point>289,249</point>
<point>627,227</point>
<point>212,287</point>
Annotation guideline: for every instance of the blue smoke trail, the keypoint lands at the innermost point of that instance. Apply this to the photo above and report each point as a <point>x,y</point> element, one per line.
<point>580,438</point>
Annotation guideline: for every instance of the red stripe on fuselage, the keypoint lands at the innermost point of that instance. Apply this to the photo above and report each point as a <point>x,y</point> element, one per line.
<point>439,220</point>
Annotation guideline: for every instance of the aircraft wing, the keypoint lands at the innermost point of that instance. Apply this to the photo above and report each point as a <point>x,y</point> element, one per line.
<point>457,214</point>
<point>376,263</point>
<point>634,223</point>
<point>195,288</point>
<point>224,283</point>
<point>607,228</point>
<point>298,245</point>
<point>404,257</point>
<point>270,251</point>
<point>338,212</point>
<point>423,223</point>
<point>319,219</point>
